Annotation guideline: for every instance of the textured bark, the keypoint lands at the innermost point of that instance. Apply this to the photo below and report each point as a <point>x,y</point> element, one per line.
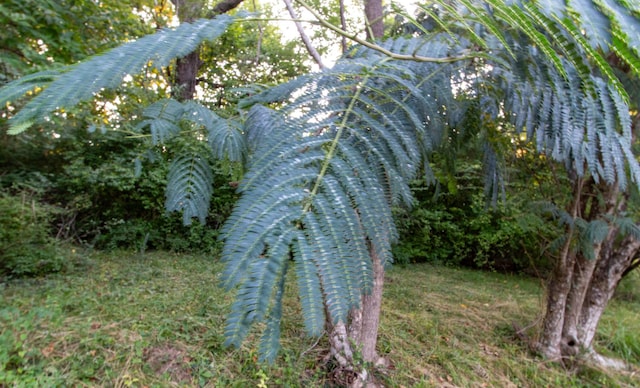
<point>374,15</point>
<point>582,271</point>
<point>371,306</point>
<point>559,287</point>
<point>359,336</point>
<point>557,293</point>
<point>580,289</point>
<point>605,279</point>
<point>186,77</point>
<point>610,205</point>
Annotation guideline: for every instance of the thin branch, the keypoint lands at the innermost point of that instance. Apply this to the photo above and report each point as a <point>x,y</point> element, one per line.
<point>373,46</point>
<point>343,25</point>
<point>305,39</point>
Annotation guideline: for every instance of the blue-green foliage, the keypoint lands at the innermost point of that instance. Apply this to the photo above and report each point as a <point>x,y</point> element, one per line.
<point>190,179</point>
<point>589,132</point>
<point>81,82</point>
<point>321,182</point>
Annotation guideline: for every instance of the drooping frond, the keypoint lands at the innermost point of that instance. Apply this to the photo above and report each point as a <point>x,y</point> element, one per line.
<point>225,136</point>
<point>606,25</point>
<point>590,233</point>
<point>189,180</point>
<point>82,81</point>
<point>628,227</point>
<point>163,119</point>
<point>189,187</point>
<point>29,83</point>
<point>324,173</point>
<point>589,131</point>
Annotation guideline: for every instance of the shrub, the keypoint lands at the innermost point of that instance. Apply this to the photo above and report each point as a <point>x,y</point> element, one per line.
<point>26,249</point>
<point>508,238</point>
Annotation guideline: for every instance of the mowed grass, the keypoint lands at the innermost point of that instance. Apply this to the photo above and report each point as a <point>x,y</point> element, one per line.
<point>157,320</point>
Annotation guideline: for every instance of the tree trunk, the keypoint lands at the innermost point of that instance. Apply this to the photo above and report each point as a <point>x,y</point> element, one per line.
<point>557,294</point>
<point>356,340</point>
<point>374,15</point>
<point>606,278</point>
<point>559,287</point>
<point>582,271</point>
<point>186,76</point>
<point>188,66</point>
<point>359,336</point>
<point>580,289</point>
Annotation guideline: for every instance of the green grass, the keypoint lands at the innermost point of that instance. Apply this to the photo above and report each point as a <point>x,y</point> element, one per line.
<point>157,320</point>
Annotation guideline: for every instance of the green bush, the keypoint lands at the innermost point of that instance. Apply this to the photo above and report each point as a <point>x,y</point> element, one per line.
<point>507,238</point>
<point>26,249</point>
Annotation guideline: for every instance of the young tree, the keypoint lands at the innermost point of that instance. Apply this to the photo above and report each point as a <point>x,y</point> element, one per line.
<point>325,168</point>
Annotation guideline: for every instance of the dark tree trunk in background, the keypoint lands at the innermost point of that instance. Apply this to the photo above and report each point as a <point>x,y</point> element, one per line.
<point>187,67</point>
<point>374,14</point>
<point>186,76</point>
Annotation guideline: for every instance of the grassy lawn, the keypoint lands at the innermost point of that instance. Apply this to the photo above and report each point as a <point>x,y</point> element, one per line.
<point>157,320</point>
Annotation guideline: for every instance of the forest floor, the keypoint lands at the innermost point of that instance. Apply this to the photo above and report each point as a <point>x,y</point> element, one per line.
<point>157,320</point>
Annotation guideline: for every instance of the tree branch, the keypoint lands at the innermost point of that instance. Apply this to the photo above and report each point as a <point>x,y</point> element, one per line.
<point>223,7</point>
<point>305,39</point>
<point>381,49</point>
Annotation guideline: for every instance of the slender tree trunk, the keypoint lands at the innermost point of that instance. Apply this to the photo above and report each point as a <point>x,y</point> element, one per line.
<point>343,25</point>
<point>370,313</point>
<point>357,339</point>
<point>360,334</point>
<point>374,15</point>
<point>303,35</point>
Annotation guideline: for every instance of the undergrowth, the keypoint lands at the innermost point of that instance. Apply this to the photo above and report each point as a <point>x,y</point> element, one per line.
<point>157,319</point>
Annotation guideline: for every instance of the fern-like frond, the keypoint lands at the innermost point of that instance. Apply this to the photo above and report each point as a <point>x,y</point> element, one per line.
<point>627,226</point>
<point>82,81</point>
<point>189,187</point>
<point>14,90</point>
<point>162,119</point>
<point>586,128</point>
<point>325,171</point>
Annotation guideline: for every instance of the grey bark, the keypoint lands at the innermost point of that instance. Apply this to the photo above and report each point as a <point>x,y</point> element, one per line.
<point>580,289</point>
<point>343,25</point>
<point>606,277</point>
<point>559,287</point>
<point>359,335</point>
